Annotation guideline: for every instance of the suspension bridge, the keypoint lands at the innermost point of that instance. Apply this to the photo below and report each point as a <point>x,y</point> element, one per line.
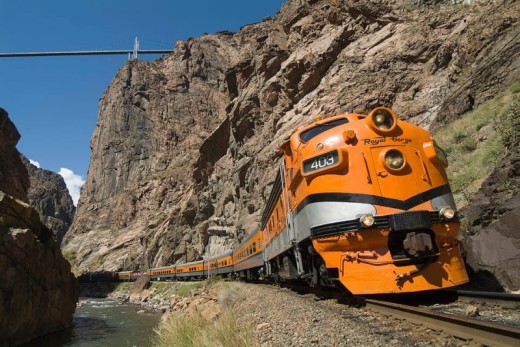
<point>132,54</point>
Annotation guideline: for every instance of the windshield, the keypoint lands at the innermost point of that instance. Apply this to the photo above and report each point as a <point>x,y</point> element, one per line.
<point>308,134</point>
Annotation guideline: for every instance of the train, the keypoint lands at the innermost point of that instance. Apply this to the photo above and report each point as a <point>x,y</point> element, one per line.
<point>359,202</point>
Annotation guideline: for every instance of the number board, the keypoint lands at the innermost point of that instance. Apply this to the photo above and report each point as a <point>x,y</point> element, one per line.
<point>320,162</point>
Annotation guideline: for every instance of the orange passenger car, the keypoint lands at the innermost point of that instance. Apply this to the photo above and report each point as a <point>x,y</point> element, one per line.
<point>165,272</point>
<point>248,256</point>
<point>191,270</point>
<point>220,265</point>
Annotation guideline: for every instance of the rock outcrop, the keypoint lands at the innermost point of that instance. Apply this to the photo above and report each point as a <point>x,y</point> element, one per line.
<point>48,194</point>
<point>186,147</point>
<point>494,216</point>
<point>38,292</point>
<point>13,175</point>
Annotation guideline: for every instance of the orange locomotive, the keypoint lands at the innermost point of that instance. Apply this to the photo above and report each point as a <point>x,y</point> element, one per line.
<point>363,201</point>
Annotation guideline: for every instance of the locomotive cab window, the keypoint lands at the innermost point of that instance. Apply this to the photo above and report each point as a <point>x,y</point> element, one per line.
<point>309,134</point>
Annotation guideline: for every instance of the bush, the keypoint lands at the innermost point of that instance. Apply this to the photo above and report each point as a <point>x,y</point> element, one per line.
<point>510,126</point>
<point>185,289</point>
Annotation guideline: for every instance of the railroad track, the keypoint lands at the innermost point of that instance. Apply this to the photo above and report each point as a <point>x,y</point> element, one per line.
<point>486,333</point>
<point>505,300</point>
<point>483,332</point>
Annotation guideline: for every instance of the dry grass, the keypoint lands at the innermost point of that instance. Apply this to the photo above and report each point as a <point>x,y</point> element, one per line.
<point>182,289</point>
<point>194,330</point>
<point>476,142</point>
<point>229,294</point>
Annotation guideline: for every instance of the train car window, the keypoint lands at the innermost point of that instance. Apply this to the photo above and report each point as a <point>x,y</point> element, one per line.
<point>309,134</point>
<point>254,247</point>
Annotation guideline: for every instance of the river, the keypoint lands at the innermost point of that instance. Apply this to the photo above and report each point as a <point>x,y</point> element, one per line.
<point>104,323</point>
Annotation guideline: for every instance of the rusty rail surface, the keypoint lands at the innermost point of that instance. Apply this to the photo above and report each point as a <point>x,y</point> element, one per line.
<point>486,333</point>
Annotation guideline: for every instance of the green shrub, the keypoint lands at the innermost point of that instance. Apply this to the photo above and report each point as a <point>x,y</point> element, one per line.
<point>123,287</point>
<point>185,289</point>
<point>469,144</point>
<point>510,126</point>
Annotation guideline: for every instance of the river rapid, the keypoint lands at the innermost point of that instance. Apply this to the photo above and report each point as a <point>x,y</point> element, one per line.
<point>107,323</point>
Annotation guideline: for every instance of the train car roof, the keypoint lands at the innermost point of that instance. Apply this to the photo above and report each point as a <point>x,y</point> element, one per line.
<point>190,263</point>
<point>162,267</point>
<point>247,238</point>
<point>220,256</point>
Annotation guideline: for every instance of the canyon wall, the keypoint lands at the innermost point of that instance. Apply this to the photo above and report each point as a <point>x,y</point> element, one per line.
<point>49,195</point>
<point>38,292</point>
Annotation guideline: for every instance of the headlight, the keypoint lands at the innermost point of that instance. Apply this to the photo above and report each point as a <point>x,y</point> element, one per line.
<point>366,220</point>
<point>446,213</point>
<point>382,119</point>
<point>394,159</point>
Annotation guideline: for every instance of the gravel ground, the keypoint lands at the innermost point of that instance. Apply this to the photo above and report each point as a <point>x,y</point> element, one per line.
<point>281,317</point>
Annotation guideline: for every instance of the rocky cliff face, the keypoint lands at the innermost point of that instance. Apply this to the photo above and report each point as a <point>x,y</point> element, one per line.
<point>38,292</point>
<point>13,175</point>
<point>49,195</point>
<point>185,148</point>
<point>494,246</point>
<point>494,214</point>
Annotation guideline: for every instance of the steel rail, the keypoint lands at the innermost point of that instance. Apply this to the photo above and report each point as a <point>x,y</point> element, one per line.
<point>504,300</point>
<point>489,334</point>
<point>112,52</point>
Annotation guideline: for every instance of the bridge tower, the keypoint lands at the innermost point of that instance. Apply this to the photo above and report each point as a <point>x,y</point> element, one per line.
<point>136,48</point>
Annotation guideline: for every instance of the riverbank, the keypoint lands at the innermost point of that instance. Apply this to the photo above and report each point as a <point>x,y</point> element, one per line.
<point>198,313</point>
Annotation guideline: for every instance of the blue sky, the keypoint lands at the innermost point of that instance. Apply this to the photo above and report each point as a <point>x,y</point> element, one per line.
<point>53,101</point>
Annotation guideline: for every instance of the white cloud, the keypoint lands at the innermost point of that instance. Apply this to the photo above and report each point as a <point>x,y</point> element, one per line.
<point>35,163</point>
<point>73,182</point>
